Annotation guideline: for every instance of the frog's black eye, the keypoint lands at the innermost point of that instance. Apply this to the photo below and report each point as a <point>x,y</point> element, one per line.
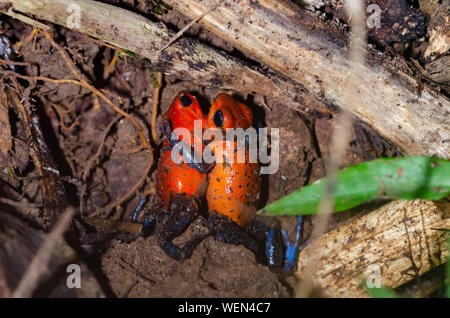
<point>218,118</point>
<point>186,101</point>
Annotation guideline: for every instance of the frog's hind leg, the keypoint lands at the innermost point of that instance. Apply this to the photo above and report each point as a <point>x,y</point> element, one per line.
<point>227,231</point>
<point>182,211</point>
<point>266,229</point>
<point>148,223</point>
<point>292,249</point>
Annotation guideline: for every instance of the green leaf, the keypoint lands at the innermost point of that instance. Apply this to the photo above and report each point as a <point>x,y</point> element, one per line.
<point>379,292</point>
<point>402,178</point>
<point>130,53</point>
<point>382,293</point>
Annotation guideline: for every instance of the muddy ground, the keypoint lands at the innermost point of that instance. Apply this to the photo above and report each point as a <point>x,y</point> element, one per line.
<point>74,122</point>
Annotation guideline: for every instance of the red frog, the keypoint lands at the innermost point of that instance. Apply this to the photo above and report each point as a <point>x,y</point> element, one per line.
<point>186,178</point>
<point>179,186</point>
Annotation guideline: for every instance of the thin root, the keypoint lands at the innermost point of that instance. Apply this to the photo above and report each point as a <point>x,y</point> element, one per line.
<point>159,77</point>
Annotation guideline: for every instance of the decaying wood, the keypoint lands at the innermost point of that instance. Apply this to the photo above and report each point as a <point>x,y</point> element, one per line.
<point>438,29</point>
<point>186,58</point>
<point>436,55</point>
<point>5,127</point>
<point>291,41</point>
<point>19,243</point>
<point>439,70</point>
<point>398,22</point>
<point>390,246</point>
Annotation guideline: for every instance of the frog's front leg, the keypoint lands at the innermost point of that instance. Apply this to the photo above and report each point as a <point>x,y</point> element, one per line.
<point>182,211</point>
<point>227,231</point>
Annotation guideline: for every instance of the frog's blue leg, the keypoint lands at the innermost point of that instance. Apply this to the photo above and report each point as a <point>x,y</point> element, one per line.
<point>274,248</point>
<point>293,249</point>
<point>147,224</point>
<point>138,209</point>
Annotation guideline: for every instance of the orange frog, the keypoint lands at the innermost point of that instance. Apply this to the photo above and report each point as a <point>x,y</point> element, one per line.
<point>234,186</point>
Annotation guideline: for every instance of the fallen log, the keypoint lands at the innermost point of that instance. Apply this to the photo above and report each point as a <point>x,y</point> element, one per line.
<point>188,59</point>
<point>389,246</point>
<point>293,42</point>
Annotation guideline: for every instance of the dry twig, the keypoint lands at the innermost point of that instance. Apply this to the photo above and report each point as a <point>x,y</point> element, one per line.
<point>23,204</point>
<point>38,265</point>
<point>186,27</point>
<point>340,137</point>
<point>156,90</point>
<point>26,19</point>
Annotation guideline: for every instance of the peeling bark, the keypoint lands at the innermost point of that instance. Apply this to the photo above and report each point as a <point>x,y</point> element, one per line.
<point>393,245</point>
<point>438,29</point>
